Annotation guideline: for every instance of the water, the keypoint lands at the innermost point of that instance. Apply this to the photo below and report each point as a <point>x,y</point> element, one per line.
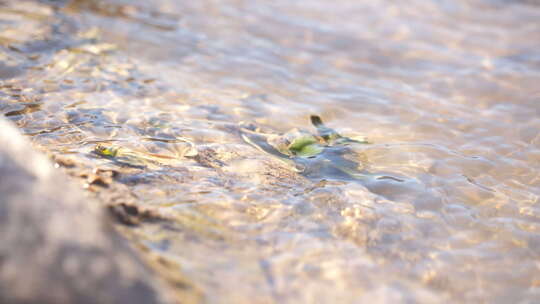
<point>446,92</point>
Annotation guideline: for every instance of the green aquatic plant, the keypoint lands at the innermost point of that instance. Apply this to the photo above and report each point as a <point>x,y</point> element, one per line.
<point>305,146</point>
<point>105,151</point>
<point>122,156</point>
<point>128,157</point>
<point>325,153</point>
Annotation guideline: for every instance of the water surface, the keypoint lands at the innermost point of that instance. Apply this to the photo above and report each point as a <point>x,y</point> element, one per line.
<point>446,92</point>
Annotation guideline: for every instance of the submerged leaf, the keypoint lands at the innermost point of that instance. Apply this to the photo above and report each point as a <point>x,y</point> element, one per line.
<point>106,151</point>
<point>298,148</point>
<point>299,143</point>
<point>139,159</point>
<point>331,136</point>
<point>306,146</point>
<point>328,134</point>
<point>310,150</point>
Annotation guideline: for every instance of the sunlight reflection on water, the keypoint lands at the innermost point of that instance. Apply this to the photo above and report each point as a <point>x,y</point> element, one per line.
<point>446,91</point>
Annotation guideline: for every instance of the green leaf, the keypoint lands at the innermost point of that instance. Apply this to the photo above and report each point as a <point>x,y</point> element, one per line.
<point>328,134</point>
<point>106,151</point>
<point>310,150</point>
<point>306,146</point>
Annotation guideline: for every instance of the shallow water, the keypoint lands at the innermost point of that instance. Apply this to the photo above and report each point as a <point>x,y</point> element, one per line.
<point>446,92</point>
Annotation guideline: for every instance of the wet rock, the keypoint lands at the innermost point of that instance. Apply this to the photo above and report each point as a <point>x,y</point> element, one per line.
<point>55,245</point>
<point>132,214</point>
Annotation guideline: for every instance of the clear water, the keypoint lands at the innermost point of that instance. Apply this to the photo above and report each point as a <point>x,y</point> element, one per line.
<point>448,92</point>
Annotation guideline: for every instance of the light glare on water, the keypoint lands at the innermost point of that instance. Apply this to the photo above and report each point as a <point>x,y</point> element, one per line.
<point>445,91</point>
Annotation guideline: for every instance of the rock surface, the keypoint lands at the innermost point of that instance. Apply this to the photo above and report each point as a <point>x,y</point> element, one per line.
<point>55,245</point>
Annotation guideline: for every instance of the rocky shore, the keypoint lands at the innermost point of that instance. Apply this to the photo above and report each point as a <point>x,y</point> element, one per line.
<point>56,245</point>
